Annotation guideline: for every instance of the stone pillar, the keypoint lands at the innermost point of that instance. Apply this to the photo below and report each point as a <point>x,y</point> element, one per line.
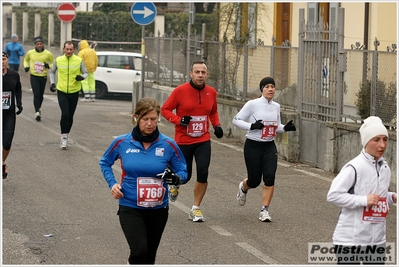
<point>25,26</point>
<point>37,24</point>
<point>159,26</point>
<point>6,20</point>
<point>50,29</point>
<point>14,23</point>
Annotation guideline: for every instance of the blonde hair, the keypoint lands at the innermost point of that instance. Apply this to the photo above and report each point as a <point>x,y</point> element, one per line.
<point>143,106</point>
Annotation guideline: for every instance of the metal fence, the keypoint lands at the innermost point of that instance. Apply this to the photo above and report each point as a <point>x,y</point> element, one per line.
<point>376,70</point>
<point>236,69</point>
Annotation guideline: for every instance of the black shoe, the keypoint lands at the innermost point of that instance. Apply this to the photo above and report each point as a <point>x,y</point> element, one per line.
<point>5,173</point>
<point>38,117</point>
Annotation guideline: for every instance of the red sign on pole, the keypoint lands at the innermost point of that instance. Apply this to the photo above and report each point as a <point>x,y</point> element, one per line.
<point>66,12</point>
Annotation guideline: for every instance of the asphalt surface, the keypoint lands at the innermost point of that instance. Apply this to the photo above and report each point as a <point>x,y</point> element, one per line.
<point>57,208</point>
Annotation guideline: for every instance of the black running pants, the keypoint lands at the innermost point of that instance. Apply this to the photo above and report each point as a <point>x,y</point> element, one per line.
<point>143,229</point>
<point>260,160</point>
<point>38,84</point>
<point>67,103</point>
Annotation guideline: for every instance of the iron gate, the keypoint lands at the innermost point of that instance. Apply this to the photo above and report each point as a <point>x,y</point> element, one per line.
<point>322,62</point>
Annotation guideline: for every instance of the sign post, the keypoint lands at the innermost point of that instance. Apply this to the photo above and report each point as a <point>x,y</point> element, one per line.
<point>143,13</point>
<point>66,12</point>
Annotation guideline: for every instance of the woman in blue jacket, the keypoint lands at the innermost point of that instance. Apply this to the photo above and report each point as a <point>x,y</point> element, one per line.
<point>147,158</point>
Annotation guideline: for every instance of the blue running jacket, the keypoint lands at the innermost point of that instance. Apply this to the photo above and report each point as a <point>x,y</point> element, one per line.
<point>141,186</point>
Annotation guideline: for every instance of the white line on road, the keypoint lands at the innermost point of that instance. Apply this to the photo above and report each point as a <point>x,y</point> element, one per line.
<point>314,175</point>
<point>266,259</point>
<point>186,210</point>
<point>228,145</point>
<point>180,206</point>
<point>85,149</point>
<point>220,230</point>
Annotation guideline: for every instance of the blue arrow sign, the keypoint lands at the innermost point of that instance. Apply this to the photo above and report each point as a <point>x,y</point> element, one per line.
<point>143,13</point>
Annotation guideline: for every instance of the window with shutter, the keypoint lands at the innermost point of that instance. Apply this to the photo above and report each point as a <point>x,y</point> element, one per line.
<point>313,15</point>
<point>333,19</point>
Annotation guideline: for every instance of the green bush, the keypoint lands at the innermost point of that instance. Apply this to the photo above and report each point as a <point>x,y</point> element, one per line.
<point>363,101</point>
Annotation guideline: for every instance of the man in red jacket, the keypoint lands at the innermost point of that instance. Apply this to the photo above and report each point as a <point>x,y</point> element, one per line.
<point>196,107</point>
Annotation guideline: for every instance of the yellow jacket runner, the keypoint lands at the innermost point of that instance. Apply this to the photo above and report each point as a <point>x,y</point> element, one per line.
<point>35,61</point>
<point>68,69</point>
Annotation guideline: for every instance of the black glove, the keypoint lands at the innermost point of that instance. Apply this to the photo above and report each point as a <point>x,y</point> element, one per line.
<point>52,87</point>
<point>171,177</point>
<point>46,65</point>
<point>79,78</point>
<point>257,125</point>
<point>218,132</point>
<point>290,126</point>
<point>185,120</point>
<point>20,108</point>
<point>26,69</point>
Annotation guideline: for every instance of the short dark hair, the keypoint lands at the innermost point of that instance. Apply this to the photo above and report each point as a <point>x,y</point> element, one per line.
<point>38,39</point>
<point>198,62</point>
<point>69,43</point>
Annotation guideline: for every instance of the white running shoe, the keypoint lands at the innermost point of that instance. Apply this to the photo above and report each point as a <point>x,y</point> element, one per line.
<point>64,143</point>
<point>241,196</point>
<point>264,216</point>
<point>196,215</point>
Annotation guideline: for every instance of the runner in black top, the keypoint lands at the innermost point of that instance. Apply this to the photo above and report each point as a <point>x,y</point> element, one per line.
<point>11,93</point>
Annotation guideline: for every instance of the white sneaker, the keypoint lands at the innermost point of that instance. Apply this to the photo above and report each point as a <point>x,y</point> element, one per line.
<point>64,143</point>
<point>241,196</point>
<point>196,215</point>
<point>264,216</point>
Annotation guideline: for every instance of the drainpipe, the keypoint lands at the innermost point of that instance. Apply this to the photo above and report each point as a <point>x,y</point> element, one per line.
<point>366,25</point>
<point>366,40</point>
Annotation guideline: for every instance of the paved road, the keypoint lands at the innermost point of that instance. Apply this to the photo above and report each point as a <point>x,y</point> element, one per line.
<point>63,194</point>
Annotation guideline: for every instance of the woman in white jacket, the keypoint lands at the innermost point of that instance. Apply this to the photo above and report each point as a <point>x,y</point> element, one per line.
<point>262,119</point>
<point>361,190</point>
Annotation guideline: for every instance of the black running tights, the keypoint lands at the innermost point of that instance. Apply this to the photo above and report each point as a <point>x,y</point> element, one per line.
<point>143,229</point>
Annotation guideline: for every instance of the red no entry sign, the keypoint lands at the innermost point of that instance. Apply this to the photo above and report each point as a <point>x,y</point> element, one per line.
<point>66,12</point>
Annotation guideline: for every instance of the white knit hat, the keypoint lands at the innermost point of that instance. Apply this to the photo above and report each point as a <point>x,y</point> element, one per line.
<point>372,127</point>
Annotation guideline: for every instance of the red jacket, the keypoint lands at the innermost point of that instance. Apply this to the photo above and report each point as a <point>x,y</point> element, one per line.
<point>189,101</point>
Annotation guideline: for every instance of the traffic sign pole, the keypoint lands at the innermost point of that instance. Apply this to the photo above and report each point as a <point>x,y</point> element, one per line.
<point>66,12</point>
<point>143,13</point>
<point>142,60</point>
